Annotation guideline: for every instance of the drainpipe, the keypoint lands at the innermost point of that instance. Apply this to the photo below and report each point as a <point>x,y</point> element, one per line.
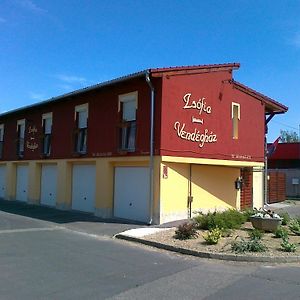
<point>151,163</point>
<point>267,120</point>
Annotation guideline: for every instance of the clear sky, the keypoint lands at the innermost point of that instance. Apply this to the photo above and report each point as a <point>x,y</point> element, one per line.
<point>50,47</point>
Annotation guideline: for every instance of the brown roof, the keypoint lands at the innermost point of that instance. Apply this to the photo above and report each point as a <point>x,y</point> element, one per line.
<point>272,106</point>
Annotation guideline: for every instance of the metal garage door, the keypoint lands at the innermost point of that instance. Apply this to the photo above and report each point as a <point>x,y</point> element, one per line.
<point>48,185</point>
<point>2,181</point>
<point>131,193</point>
<point>83,187</point>
<point>22,183</point>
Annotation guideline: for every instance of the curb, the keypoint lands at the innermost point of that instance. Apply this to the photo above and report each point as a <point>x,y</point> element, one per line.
<point>219,256</point>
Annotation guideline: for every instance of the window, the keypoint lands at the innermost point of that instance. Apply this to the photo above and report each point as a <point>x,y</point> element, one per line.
<point>81,118</point>
<point>236,116</point>
<point>47,131</point>
<point>1,139</point>
<point>21,137</point>
<point>127,107</point>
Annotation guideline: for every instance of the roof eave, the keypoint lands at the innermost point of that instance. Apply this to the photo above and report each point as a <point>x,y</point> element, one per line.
<point>272,106</point>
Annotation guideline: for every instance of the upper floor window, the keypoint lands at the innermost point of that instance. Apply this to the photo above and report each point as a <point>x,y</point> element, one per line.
<point>47,131</point>
<point>235,116</point>
<point>128,107</point>
<point>81,118</point>
<point>1,139</point>
<point>21,137</point>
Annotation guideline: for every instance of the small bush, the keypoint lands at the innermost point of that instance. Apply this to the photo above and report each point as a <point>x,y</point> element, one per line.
<point>281,233</point>
<point>287,246</point>
<point>248,246</point>
<point>285,218</point>
<point>248,213</point>
<point>294,226</point>
<point>213,236</point>
<point>256,234</point>
<point>201,220</point>
<point>185,231</point>
<point>229,219</point>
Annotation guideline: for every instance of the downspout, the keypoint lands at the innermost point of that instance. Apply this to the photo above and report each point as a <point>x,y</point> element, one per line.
<point>270,117</point>
<point>151,163</point>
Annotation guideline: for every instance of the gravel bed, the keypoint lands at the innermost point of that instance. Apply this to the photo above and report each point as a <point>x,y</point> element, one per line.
<point>224,244</point>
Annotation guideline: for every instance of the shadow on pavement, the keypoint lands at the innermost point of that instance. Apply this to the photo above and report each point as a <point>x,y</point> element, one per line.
<point>54,215</point>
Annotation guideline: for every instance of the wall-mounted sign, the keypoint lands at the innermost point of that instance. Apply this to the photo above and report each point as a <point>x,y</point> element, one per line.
<point>240,156</point>
<point>197,135</point>
<point>32,143</point>
<point>165,172</point>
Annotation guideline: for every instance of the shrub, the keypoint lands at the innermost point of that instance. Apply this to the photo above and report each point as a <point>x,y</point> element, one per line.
<point>201,220</point>
<point>248,246</point>
<point>248,213</point>
<point>256,234</point>
<point>213,236</point>
<point>285,218</point>
<point>294,226</point>
<point>186,231</point>
<point>287,246</point>
<point>229,219</point>
<point>281,233</point>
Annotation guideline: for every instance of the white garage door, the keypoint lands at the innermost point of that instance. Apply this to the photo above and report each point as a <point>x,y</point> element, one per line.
<point>48,185</point>
<point>83,187</point>
<point>131,193</point>
<point>2,181</point>
<point>22,183</point>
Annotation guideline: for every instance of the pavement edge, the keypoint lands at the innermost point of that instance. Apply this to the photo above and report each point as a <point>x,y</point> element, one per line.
<point>219,256</point>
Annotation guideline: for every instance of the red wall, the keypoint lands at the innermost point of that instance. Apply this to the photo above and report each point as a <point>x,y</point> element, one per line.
<point>218,124</point>
<point>102,123</point>
<point>104,119</point>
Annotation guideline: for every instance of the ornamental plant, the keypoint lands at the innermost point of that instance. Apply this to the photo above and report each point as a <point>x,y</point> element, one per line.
<point>281,232</point>
<point>243,246</point>
<point>213,236</point>
<point>265,214</point>
<point>285,218</point>
<point>228,219</point>
<point>186,231</point>
<point>294,226</point>
<point>256,234</point>
<point>287,246</point>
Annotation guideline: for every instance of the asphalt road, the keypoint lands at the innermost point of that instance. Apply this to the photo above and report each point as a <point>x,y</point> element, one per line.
<point>79,259</point>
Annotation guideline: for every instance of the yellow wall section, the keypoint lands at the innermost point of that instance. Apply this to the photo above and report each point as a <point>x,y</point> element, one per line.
<point>174,191</point>
<point>34,183</point>
<point>64,184</point>
<point>213,187</point>
<point>258,187</point>
<point>11,178</point>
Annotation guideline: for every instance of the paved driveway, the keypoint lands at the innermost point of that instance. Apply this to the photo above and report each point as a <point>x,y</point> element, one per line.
<point>33,215</point>
<point>46,256</point>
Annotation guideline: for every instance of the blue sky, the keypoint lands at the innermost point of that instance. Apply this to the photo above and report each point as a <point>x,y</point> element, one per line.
<point>48,48</point>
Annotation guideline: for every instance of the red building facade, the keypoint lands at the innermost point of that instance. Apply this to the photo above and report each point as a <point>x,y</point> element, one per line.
<point>201,118</point>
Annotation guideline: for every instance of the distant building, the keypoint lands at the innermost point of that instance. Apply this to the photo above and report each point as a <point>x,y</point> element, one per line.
<point>153,146</point>
<point>286,159</point>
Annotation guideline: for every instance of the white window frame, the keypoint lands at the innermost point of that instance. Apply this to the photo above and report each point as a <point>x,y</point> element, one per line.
<point>81,136</point>
<point>128,129</point>
<point>235,130</point>
<point>21,137</point>
<point>46,147</point>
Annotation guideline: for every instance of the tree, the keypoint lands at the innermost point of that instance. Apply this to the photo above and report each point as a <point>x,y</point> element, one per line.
<point>287,136</point>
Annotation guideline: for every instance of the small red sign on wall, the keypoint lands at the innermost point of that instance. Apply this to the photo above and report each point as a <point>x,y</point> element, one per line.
<point>165,172</point>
